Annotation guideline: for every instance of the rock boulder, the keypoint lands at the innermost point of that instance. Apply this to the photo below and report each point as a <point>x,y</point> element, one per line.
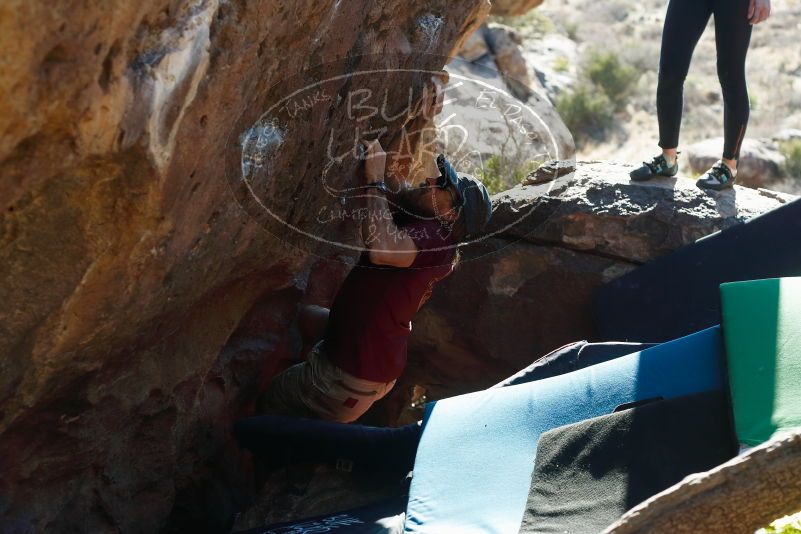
<point>513,7</point>
<point>142,305</point>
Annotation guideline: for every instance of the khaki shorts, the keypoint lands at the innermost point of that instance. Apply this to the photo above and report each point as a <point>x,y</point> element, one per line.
<point>319,389</point>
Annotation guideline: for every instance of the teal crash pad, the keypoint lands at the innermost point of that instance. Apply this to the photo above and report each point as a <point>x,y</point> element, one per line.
<point>762,333</point>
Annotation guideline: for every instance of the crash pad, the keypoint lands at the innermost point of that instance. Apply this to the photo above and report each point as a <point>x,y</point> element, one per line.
<point>588,474</point>
<point>284,440</point>
<point>678,294</point>
<point>473,466</point>
<point>385,517</point>
<point>570,358</point>
<point>762,332</point>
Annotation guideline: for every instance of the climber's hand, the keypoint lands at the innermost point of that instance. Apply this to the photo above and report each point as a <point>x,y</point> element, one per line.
<point>375,161</point>
<point>758,10</point>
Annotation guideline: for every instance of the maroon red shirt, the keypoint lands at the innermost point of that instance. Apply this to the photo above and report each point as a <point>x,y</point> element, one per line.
<point>370,320</point>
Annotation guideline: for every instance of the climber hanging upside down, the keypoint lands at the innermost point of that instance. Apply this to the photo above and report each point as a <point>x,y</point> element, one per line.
<point>364,336</point>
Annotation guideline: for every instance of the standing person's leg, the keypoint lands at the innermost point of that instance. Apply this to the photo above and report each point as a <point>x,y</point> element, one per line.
<point>685,22</point>
<point>732,38</point>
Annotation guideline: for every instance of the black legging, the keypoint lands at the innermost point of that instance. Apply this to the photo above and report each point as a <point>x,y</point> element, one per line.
<point>684,23</point>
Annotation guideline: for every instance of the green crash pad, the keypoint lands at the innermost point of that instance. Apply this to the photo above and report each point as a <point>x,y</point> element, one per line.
<point>762,333</point>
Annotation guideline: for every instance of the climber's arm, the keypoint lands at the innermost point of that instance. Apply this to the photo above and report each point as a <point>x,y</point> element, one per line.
<point>387,244</point>
<point>399,160</point>
<point>402,149</point>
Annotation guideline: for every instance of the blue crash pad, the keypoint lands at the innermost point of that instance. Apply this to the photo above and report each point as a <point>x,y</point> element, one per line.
<point>572,357</point>
<point>678,294</point>
<point>476,455</point>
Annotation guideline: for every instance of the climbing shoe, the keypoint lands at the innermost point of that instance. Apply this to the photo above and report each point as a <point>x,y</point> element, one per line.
<point>658,166</point>
<point>717,178</point>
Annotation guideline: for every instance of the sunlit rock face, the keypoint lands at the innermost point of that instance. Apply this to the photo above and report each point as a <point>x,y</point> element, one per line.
<point>142,306</point>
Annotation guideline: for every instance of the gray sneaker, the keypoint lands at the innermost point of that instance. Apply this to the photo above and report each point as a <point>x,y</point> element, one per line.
<point>717,178</point>
<point>658,166</point>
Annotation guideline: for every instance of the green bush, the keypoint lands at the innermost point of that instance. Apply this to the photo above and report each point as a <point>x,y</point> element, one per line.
<point>561,64</point>
<point>616,79</point>
<point>491,175</point>
<point>790,524</point>
<point>605,86</point>
<point>500,173</point>
<point>791,150</point>
<point>585,110</point>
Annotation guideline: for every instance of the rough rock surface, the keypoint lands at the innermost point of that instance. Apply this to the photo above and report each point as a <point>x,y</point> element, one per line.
<point>475,46</point>
<point>504,43</point>
<point>740,496</point>
<point>140,302</point>
<point>487,120</point>
<point>528,288</point>
<point>553,60</point>
<point>760,165</point>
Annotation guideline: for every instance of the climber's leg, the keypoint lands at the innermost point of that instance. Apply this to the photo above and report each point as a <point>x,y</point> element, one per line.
<point>732,38</point>
<point>685,22</point>
<point>337,395</point>
<point>319,389</point>
<point>284,394</point>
